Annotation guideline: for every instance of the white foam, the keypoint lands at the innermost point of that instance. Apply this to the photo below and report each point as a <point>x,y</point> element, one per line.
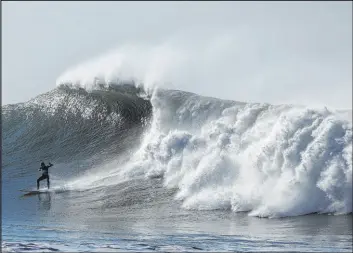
<point>273,161</point>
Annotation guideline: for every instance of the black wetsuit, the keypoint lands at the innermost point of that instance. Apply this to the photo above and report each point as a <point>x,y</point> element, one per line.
<point>45,174</point>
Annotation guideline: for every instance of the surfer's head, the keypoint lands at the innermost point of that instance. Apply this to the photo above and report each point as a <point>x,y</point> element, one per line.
<point>42,164</point>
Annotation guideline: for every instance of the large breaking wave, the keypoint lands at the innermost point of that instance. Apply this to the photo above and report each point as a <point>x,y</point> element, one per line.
<point>269,160</point>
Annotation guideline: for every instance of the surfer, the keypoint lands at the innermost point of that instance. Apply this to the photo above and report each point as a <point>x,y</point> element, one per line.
<point>45,174</point>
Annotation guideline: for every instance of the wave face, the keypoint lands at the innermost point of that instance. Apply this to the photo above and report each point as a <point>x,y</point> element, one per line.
<point>268,160</point>
<point>71,124</point>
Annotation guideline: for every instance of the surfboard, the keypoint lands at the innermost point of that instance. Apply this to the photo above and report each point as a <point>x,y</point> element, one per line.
<point>44,191</point>
<point>31,193</point>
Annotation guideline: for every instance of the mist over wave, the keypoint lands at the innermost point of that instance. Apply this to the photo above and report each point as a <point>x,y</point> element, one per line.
<point>231,65</point>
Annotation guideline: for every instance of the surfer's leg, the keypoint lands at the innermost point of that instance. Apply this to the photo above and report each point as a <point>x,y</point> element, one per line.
<point>38,180</point>
<point>48,182</point>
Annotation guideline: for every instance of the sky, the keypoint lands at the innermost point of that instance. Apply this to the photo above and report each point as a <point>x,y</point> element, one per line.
<point>273,52</point>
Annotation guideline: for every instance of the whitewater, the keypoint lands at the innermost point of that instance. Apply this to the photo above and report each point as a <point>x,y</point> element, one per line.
<point>146,168</point>
<point>273,161</point>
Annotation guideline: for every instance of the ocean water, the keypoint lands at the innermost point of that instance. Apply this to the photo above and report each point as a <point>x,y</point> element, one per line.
<point>170,170</point>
